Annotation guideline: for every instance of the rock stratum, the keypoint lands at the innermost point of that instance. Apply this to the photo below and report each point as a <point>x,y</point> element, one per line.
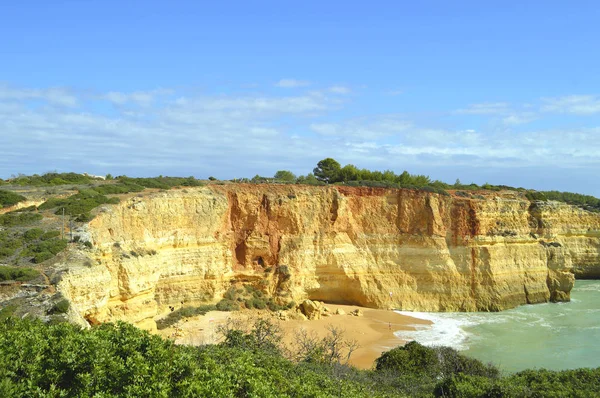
<point>373,247</point>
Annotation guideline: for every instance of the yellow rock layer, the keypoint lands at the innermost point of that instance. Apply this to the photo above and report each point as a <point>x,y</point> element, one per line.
<point>372,247</point>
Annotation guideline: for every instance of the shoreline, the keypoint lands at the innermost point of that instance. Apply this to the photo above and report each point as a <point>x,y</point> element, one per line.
<point>373,331</point>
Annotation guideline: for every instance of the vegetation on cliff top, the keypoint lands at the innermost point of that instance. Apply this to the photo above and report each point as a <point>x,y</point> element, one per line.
<point>327,171</point>
<point>119,360</point>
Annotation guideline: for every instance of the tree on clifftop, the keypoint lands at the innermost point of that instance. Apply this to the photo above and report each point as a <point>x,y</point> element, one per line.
<point>327,170</point>
<point>285,175</point>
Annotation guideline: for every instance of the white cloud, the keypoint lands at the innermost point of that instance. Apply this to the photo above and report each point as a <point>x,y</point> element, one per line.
<point>205,133</point>
<point>292,83</point>
<point>53,95</point>
<point>242,135</point>
<point>142,98</point>
<point>486,108</point>
<point>339,90</point>
<point>519,118</point>
<point>501,112</point>
<point>362,128</point>
<point>575,104</point>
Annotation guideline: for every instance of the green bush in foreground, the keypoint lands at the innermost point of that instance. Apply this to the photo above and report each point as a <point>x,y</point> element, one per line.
<point>119,360</point>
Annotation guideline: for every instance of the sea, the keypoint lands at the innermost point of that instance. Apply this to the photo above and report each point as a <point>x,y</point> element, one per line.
<point>553,336</point>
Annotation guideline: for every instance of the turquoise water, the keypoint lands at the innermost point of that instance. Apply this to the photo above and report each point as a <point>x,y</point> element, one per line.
<point>551,336</point>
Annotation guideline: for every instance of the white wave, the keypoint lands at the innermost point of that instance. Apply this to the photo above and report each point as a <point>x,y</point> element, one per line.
<point>448,328</point>
<point>445,330</point>
<point>591,287</point>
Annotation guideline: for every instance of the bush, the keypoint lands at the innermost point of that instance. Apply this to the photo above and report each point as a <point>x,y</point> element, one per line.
<point>7,312</point>
<point>536,196</point>
<point>120,188</point>
<point>53,246</point>
<point>453,362</point>
<point>119,360</point>
<point>284,270</point>
<point>8,198</point>
<point>9,243</point>
<point>50,234</point>
<point>185,312</point>
<point>42,256</point>
<point>17,273</point>
<point>14,219</point>
<point>33,234</point>
<point>227,305</point>
<point>61,307</point>
<point>412,358</point>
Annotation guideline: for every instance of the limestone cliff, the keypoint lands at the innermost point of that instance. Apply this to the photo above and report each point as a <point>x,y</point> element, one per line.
<point>372,247</point>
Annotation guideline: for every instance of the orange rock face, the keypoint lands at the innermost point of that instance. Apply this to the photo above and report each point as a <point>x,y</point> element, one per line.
<point>372,247</point>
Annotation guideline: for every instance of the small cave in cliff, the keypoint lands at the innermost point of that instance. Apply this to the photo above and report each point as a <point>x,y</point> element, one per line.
<point>259,260</point>
<point>240,253</point>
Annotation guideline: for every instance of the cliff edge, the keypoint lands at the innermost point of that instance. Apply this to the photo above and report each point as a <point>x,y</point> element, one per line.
<point>374,247</point>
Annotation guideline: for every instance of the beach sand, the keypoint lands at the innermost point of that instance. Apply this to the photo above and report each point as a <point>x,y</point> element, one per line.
<point>374,331</point>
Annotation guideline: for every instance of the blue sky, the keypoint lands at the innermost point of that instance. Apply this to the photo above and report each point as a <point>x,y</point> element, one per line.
<point>499,92</point>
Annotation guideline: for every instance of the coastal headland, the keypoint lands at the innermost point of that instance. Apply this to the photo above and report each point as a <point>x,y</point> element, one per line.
<point>156,252</point>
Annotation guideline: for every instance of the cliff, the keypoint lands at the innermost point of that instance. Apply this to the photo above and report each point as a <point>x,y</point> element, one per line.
<point>366,246</point>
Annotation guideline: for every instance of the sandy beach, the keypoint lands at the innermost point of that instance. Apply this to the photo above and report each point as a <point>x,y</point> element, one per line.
<point>374,331</point>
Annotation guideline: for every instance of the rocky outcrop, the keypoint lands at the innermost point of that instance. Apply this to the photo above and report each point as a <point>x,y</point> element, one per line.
<point>372,247</point>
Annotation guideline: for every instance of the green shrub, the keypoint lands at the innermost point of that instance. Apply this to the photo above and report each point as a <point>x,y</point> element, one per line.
<point>536,196</point>
<point>41,257</point>
<point>33,234</point>
<point>50,234</point>
<point>85,217</point>
<point>7,312</point>
<point>14,219</point>
<point>78,205</point>
<point>120,188</point>
<point>230,294</point>
<point>17,273</point>
<point>53,246</point>
<point>259,303</point>
<point>9,243</point>
<point>119,360</point>
<point>6,252</point>
<point>8,198</point>
<point>61,307</point>
<point>185,312</point>
<point>227,305</point>
<point>52,179</point>
<point>452,362</point>
<point>412,358</point>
